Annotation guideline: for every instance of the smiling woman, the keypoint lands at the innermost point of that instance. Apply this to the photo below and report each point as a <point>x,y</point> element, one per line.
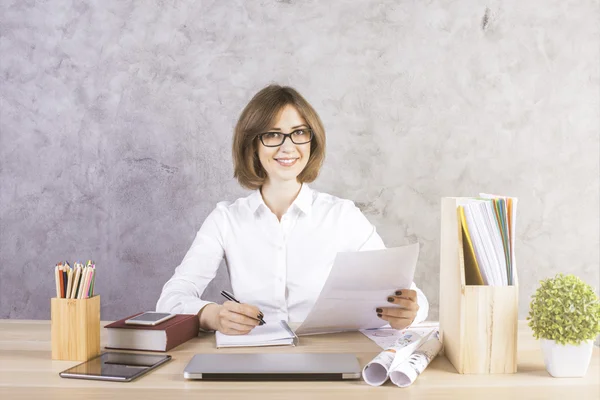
<point>271,113</point>
<point>280,242</point>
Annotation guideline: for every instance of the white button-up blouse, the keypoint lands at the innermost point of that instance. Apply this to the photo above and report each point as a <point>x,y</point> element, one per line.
<point>278,266</point>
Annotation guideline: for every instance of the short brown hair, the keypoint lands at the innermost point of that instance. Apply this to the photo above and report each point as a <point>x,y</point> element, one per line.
<point>257,117</point>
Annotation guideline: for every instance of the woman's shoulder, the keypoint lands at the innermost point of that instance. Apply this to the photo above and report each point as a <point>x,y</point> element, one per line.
<point>331,202</point>
<point>241,205</point>
<point>351,225</point>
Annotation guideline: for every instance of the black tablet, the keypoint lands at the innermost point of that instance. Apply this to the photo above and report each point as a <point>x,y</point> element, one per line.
<point>114,366</point>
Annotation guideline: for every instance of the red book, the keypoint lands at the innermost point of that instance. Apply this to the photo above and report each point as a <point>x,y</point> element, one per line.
<point>161,337</point>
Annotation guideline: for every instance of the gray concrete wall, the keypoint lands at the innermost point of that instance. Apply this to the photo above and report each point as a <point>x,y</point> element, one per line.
<point>117,117</point>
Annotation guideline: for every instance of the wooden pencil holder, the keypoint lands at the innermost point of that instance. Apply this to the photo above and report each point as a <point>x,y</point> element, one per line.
<point>75,326</point>
<point>478,324</point>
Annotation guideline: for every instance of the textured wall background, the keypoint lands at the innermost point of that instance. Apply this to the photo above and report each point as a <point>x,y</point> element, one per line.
<point>117,116</point>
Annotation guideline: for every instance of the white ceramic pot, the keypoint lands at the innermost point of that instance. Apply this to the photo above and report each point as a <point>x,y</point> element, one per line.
<point>567,361</point>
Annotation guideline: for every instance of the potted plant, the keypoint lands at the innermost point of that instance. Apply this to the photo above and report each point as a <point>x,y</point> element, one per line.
<point>565,314</point>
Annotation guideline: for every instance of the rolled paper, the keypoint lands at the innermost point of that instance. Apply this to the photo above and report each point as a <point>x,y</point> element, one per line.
<point>375,373</point>
<point>404,372</point>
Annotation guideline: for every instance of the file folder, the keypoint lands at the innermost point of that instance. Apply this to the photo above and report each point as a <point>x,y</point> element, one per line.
<point>478,323</point>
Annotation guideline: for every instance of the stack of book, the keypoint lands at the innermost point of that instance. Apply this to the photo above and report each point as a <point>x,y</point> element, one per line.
<point>488,230</point>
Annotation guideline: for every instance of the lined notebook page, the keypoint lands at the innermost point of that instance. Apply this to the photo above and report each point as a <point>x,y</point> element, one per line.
<point>271,334</point>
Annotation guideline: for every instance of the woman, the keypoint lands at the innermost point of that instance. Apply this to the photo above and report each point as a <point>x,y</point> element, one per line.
<point>281,240</point>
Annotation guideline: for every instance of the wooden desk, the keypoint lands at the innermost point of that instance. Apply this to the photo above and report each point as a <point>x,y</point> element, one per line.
<point>27,372</point>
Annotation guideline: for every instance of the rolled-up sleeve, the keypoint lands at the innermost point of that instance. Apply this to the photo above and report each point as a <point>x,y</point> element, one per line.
<point>181,294</point>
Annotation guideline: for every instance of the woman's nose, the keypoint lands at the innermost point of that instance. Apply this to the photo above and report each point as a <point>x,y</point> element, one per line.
<point>288,144</point>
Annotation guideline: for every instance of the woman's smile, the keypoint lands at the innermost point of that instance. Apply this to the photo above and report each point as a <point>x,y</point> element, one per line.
<point>286,161</point>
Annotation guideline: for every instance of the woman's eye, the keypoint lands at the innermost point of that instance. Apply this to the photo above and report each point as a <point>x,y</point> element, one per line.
<point>272,135</point>
<point>299,132</point>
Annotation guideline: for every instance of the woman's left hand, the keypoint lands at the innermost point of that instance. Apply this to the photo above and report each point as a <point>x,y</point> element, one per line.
<point>400,318</point>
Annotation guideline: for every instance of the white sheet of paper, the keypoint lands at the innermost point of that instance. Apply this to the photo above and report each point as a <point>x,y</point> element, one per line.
<point>358,283</point>
<point>385,337</point>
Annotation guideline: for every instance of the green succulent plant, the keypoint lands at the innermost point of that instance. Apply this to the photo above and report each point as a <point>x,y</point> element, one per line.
<point>564,309</point>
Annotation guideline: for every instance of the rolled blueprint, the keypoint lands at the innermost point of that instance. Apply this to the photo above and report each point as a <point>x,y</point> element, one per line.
<point>375,373</point>
<point>404,372</point>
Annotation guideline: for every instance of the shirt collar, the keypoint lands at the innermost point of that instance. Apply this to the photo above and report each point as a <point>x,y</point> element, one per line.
<point>303,201</point>
<point>255,200</point>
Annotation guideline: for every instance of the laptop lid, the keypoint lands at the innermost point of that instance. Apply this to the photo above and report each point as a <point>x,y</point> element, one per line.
<point>273,366</point>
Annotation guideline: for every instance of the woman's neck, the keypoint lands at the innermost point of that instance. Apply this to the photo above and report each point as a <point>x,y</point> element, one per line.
<point>279,197</point>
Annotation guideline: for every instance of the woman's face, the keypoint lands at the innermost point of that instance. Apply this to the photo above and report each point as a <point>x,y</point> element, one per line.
<point>284,163</point>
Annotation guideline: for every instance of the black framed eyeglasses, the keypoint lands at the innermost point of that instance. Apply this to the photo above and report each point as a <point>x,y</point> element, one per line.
<point>275,139</point>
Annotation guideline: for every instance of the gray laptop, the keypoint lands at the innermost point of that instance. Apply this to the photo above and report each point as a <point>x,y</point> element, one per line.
<point>273,366</point>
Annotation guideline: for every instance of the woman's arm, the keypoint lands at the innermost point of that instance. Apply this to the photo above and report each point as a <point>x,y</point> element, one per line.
<point>181,294</point>
<point>364,234</point>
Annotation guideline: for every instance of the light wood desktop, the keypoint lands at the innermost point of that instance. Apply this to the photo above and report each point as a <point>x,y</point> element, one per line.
<point>27,371</point>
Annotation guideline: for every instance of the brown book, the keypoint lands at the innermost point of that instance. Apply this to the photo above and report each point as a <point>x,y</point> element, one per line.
<point>161,337</point>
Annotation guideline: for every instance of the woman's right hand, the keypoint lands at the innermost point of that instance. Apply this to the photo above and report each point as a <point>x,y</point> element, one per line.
<point>230,318</point>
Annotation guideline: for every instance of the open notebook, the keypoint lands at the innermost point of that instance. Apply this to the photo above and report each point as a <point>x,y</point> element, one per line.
<point>274,333</point>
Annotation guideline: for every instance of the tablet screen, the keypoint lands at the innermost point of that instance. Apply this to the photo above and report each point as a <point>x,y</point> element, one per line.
<point>115,366</point>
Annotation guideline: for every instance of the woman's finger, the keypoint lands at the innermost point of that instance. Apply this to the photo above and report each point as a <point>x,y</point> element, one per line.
<point>395,313</point>
<point>226,314</point>
<point>398,323</point>
<point>244,309</point>
<point>235,328</point>
<point>401,322</point>
<point>241,319</point>
<point>406,294</point>
<point>404,303</point>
